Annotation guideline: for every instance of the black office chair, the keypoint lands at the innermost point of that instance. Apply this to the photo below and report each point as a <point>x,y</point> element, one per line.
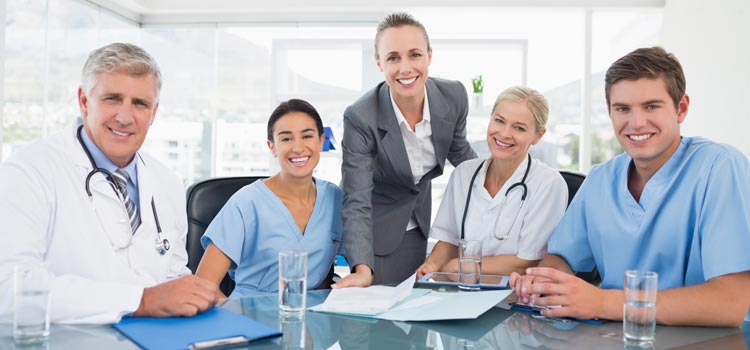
<point>574,181</point>
<point>204,200</point>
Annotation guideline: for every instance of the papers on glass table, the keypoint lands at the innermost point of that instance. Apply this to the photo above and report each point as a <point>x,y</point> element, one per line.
<point>403,303</point>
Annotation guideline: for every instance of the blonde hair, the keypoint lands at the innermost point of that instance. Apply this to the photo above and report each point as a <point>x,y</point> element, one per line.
<point>534,101</point>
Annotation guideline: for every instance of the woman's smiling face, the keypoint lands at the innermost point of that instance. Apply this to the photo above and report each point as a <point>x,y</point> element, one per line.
<point>404,58</point>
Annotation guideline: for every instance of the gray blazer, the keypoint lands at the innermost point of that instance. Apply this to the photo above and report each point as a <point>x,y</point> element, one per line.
<point>379,191</point>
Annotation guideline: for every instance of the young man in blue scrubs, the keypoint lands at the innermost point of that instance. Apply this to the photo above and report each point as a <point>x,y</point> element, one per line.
<point>679,206</point>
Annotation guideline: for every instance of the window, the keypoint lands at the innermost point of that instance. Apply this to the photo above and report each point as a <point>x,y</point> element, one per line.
<point>222,81</point>
<point>614,34</point>
<point>46,44</point>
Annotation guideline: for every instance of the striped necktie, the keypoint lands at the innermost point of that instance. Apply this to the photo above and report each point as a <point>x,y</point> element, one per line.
<point>121,178</point>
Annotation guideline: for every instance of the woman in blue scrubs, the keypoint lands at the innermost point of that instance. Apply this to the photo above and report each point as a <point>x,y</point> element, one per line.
<point>289,210</point>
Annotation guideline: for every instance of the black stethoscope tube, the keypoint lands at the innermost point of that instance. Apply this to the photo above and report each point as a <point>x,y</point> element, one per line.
<point>162,245</point>
<point>521,184</point>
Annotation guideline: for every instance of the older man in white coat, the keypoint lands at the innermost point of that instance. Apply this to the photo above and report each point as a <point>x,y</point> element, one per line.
<point>107,222</point>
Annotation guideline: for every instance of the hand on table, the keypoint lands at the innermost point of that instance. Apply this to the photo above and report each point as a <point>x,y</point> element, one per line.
<point>362,277</point>
<point>544,286</point>
<point>521,284</point>
<point>426,268</point>
<point>450,266</point>
<point>185,296</point>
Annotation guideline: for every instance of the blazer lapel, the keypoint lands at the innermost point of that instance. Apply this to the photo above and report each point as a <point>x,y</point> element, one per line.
<point>391,139</point>
<point>442,126</point>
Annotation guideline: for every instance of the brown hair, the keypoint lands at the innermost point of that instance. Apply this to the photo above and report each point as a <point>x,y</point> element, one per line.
<point>652,63</point>
<point>399,19</point>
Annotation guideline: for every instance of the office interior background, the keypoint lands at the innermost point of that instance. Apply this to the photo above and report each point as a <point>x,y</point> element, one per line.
<point>226,64</point>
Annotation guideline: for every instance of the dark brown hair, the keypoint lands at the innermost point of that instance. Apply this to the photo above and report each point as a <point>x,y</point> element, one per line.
<point>652,63</point>
<point>294,105</point>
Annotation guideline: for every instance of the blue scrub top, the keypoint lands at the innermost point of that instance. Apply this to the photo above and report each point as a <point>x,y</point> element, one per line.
<point>254,225</point>
<point>692,222</point>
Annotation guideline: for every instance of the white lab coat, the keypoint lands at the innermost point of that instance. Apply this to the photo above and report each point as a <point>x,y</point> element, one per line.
<point>47,217</point>
<point>532,224</point>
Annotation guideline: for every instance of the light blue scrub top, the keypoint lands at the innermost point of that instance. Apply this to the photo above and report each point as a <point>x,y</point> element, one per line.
<point>254,225</point>
<point>692,223</point>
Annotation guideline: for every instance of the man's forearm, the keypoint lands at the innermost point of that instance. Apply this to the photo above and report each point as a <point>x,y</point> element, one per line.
<point>721,302</point>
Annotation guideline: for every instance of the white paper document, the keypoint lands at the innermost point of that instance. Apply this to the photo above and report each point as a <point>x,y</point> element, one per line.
<point>366,301</point>
<point>403,303</point>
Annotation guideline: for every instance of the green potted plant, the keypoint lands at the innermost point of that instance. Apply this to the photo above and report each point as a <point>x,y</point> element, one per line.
<point>477,84</point>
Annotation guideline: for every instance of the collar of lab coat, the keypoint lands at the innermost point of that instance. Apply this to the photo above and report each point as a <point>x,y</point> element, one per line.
<point>99,183</point>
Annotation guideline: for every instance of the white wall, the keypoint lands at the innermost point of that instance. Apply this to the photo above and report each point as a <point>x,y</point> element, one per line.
<point>712,41</point>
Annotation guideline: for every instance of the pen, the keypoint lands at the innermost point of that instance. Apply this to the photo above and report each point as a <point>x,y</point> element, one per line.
<point>219,343</point>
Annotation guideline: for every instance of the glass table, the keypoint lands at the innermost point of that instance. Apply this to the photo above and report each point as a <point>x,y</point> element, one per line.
<point>496,329</point>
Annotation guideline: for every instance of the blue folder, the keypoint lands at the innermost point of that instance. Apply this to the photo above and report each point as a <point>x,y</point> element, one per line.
<point>182,332</point>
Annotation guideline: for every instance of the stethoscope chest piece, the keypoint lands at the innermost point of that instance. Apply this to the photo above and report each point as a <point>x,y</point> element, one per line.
<point>162,246</point>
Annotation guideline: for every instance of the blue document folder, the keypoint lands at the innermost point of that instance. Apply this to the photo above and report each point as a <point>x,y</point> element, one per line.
<point>182,332</point>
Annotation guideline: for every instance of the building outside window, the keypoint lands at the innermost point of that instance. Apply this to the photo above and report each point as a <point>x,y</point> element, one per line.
<point>221,81</point>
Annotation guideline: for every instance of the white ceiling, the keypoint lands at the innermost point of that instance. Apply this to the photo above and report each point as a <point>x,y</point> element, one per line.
<point>222,11</point>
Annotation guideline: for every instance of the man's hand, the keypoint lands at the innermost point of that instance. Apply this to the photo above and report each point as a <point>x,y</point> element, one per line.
<point>521,284</point>
<point>575,297</point>
<point>185,296</point>
<point>362,277</point>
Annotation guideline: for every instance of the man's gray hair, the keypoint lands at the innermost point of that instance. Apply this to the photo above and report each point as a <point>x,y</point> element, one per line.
<point>119,57</point>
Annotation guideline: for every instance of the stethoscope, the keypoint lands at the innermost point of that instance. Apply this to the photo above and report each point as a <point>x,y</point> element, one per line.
<point>521,184</point>
<point>162,245</point>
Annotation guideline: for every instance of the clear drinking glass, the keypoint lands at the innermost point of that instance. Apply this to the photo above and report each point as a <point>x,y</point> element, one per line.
<point>639,311</point>
<point>292,281</point>
<point>31,302</point>
<point>294,334</point>
<point>469,264</point>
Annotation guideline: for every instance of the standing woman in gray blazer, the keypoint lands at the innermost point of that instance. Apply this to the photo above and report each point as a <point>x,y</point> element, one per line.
<point>397,138</point>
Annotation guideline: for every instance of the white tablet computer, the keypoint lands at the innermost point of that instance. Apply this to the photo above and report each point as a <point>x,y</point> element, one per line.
<point>488,282</point>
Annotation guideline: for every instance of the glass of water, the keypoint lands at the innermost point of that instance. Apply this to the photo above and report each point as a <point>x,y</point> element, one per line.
<point>639,311</point>
<point>31,301</point>
<point>294,333</point>
<point>469,264</point>
<point>292,281</point>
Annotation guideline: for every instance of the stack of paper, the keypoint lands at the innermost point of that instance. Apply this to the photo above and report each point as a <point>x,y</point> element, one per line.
<point>403,303</point>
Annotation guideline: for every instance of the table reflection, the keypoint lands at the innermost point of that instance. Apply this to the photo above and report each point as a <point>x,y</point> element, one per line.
<point>496,329</point>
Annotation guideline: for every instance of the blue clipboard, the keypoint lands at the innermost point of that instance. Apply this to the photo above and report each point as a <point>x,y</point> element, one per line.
<point>213,328</point>
<point>534,310</point>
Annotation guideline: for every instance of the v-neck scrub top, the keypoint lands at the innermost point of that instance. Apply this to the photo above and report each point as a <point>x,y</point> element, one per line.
<point>692,222</point>
<point>254,225</point>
